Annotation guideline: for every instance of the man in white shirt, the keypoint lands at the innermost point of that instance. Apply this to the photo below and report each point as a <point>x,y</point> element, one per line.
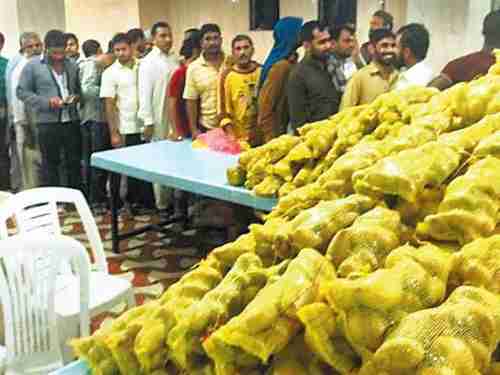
<point>155,72</point>
<point>412,44</point>
<point>26,141</point>
<point>119,91</point>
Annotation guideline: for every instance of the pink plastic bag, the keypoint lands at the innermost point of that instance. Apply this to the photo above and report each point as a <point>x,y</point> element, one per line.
<point>218,140</point>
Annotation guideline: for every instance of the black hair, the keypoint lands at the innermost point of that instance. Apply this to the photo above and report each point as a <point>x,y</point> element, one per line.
<point>378,34</point>
<point>306,33</point>
<point>191,30</point>
<point>69,36</point>
<point>491,26</point>
<point>159,25</point>
<point>209,28</point>
<point>120,38</point>
<point>189,46</point>
<point>135,35</point>
<point>90,47</point>
<point>335,31</point>
<point>55,39</point>
<point>241,37</point>
<point>386,17</point>
<point>416,37</point>
<point>2,39</point>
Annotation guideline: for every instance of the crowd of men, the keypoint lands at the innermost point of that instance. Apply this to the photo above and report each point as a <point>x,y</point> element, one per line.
<point>58,106</point>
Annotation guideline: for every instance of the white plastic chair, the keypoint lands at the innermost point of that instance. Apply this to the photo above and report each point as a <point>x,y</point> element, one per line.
<point>28,268</point>
<point>35,211</point>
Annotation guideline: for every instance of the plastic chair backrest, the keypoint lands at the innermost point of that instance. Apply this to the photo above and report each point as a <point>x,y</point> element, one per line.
<point>28,272</point>
<point>35,210</point>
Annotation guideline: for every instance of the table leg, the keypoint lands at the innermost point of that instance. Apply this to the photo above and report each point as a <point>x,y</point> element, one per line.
<point>115,195</point>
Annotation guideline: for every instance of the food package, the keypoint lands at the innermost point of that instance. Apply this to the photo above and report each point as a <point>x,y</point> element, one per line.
<point>316,226</point>
<point>265,238</point>
<point>320,140</point>
<point>470,206</point>
<point>227,254</point>
<point>323,338</point>
<point>457,338</point>
<point>269,323</point>
<point>296,359</point>
<point>301,199</point>
<point>363,247</point>
<point>465,140</point>
<point>236,176</point>
<point>368,306</point>
<point>489,146</point>
<point>228,299</point>
<point>402,176</point>
<point>478,264</point>
<point>427,203</point>
<point>304,175</point>
<point>269,187</point>
<point>149,343</point>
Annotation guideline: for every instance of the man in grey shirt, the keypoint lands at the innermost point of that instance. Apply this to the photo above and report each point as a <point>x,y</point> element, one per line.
<point>50,89</point>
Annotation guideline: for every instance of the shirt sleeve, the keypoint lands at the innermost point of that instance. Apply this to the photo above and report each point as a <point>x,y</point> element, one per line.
<point>146,90</point>
<point>108,86</point>
<point>89,80</point>
<point>268,98</point>
<point>224,109</point>
<point>452,71</point>
<point>26,91</point>
<point>191,91</point>
<point>351,97</point>
<point>17,106</point>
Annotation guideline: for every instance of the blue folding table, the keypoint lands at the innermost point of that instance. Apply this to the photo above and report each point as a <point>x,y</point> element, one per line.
<point>176,165</point>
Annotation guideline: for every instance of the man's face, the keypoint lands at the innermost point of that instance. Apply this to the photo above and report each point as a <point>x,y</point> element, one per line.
<point>346,44</point>
<point>376,23</point>
<point>243,52</point>
<point>321,45</point>
<point>211,43</point>
<point>72,48</point>
<point>123,52</point>
<point>32,47</point>
<point>163,39</point>
<point>56,54</point>
<point>385,51</point>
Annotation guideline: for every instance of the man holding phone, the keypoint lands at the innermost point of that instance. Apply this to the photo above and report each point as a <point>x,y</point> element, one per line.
<point>50,90</point>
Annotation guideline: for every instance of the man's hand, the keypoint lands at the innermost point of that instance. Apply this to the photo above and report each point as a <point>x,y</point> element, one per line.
<point>56,102</point>
<point>148,132</point>
<point>116,139</point>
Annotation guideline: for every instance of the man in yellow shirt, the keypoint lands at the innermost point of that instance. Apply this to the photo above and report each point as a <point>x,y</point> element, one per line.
<point>376,78</point>
<point>237,102</point>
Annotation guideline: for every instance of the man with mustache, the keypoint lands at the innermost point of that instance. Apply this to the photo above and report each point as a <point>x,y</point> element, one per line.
<point>237,104</point>
<point>201,82</point>
<point>376,78</point>
<point>312,95</point>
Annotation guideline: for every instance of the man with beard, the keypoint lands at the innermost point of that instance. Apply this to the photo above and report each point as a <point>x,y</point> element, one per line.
<point>380,20</point>
<point>50,88</point>
<point>378,77</point>
<point>312,95</point>
<point>237,92</point>
<point>412,44</point>
<point>72,47</point>
<point>341,64</point>
<point>26,141</point>
<point>201,82</point>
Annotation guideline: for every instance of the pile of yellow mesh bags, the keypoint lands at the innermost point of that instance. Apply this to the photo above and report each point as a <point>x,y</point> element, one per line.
<point>381,257</point>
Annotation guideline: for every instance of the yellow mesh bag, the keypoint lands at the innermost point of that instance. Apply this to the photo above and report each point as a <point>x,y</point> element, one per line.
<point>316,226</point>
<point>470,206</point>
<point>401,175</point>
<point>369,306</point>
<point>489,146</point>
<point>456,338</point>
<point>363,247</point>
<point>478,264</point>
<point>269,187</point>
<point>269,322</point>
<point>228,299</point>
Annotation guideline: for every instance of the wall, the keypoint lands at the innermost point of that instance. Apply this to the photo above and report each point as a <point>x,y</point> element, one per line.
<point>455,26</point>
<point>9,26</point>
<point>41,16</point>
<point>101,19</point>
<point>233,18</point>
